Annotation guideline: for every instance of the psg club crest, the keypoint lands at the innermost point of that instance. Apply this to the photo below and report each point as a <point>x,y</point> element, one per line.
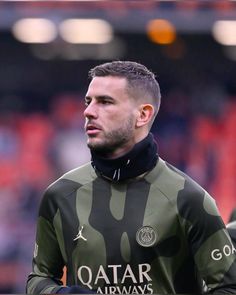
<point>146,236</point>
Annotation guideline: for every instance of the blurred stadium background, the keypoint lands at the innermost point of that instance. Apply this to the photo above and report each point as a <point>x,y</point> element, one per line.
<point>46,50</point>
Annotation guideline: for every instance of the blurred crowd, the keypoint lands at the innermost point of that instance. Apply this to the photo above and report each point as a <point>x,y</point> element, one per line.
<point>35,148</point>
<point>194,131</point>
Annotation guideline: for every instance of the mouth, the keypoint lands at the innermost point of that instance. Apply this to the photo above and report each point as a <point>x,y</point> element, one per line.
<point>92,129</point>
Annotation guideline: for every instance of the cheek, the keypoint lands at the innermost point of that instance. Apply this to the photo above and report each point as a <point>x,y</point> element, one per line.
<point>118,117</point>
<point>114,117</point>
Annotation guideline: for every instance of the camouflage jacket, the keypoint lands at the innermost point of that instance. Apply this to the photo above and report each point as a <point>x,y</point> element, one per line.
<point>161,233</point>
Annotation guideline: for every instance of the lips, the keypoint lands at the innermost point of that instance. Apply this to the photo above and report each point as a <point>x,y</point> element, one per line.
<point>92,129</point>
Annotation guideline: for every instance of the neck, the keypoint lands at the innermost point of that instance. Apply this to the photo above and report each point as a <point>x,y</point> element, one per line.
<point>119,152</point>
<point>141,158</point>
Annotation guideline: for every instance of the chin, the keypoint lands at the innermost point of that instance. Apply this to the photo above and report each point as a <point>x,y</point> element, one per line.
<point>95,145</point>
<point>101,149</point>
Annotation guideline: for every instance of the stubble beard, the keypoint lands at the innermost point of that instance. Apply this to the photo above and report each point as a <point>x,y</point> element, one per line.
<point>113,140</point>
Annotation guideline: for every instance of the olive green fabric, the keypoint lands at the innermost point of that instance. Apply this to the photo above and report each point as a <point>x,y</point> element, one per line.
<point>232,231</point>
<point>161,233</point>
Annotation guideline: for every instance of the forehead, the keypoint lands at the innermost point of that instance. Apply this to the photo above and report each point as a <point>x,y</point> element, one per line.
<point>108,85</point>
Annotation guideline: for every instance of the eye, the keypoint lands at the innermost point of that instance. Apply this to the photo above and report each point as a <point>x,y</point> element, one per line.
<point>87,102</point>
<point>106,102</point>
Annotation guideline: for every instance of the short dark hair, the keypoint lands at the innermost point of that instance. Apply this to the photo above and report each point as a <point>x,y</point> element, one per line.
<point>141,81</point>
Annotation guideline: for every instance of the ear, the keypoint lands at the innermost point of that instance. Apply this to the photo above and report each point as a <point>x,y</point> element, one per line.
<point>145,114</point>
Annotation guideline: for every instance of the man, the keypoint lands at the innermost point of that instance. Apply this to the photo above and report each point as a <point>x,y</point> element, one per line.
<point>128,222</point>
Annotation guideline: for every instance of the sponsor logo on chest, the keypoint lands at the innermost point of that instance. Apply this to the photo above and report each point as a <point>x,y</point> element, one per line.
<point>121,282</point>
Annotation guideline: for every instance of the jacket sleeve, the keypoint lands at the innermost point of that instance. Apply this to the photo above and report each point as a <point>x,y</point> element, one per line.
<point>231,227</point>
<point>209,241</point>
<point>48,263</point>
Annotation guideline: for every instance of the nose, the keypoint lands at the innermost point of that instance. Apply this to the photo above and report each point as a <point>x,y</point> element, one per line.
<point>90,111</point>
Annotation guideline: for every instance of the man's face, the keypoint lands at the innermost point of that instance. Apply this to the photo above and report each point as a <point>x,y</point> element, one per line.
<point>110,116</point>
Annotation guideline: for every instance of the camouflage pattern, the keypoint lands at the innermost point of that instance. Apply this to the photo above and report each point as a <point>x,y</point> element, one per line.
<point>161,233</point>
<point>232,231</point>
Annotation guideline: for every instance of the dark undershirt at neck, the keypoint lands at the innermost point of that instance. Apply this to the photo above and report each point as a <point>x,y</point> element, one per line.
<point>141,159</point>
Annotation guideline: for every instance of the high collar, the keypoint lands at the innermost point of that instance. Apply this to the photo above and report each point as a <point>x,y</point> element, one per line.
<point>142,158</point>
